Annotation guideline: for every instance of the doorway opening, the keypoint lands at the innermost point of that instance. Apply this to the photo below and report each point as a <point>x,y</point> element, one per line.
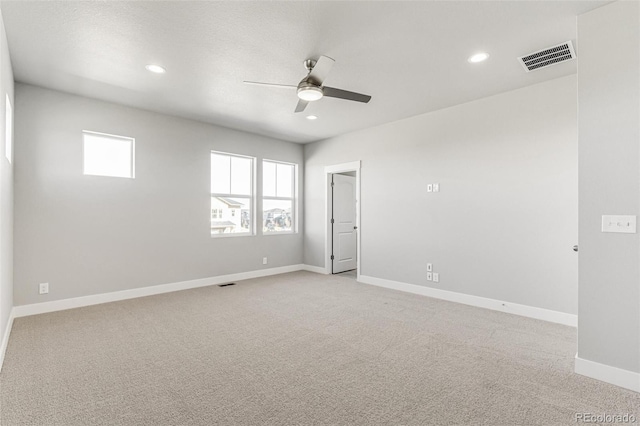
<point>342,232</point>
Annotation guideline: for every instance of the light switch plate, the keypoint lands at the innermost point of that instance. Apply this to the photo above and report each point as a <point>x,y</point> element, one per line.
<point>619,224</point>
<point>429,267</point>
<point>429,276</point>
<point>429,187</point>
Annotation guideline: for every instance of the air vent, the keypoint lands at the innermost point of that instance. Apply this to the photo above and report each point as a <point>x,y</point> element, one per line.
<point>226,285</point>
<point>547,57</point>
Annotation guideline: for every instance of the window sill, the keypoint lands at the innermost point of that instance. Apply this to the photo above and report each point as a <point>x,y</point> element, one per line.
<point>247,234</point>
<point>269,234</point>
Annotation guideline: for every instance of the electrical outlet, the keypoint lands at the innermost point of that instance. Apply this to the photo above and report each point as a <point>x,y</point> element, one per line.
<point>436,277</point>
<point>429,188</point>
<point>264,260</point>
<point>429,276</point>
<point>44,288</point>
<point>436,187</point>
<point>429,267</point>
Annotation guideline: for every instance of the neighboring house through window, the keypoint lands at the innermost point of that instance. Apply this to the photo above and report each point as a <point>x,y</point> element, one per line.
<point>278,196</point>
<point>232,185</point>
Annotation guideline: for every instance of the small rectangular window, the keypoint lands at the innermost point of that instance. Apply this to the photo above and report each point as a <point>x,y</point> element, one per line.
<point>278,197</point>
<point>108,155</point>
<point>8,141</point>
<point>232,185</point>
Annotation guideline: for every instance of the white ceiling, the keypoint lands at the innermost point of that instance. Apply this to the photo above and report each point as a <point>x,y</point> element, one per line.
<point>409,56</point>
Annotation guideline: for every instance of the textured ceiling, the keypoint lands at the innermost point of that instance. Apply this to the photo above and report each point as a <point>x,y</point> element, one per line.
<point>409,56</point>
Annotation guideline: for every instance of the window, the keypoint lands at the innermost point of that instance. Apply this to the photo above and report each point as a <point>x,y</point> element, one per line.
<point>231,194</point>
<point>278,192</point>
<point>108,155</point>
<point>8,141</point>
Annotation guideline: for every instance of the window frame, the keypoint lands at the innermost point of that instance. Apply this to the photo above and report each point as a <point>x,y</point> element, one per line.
<point>293,198</point>
<point>252,196</point>
<point>133,153</point>
<point>8,137</point>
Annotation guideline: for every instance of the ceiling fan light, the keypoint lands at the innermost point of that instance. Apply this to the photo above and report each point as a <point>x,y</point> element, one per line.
<point>310,93</point>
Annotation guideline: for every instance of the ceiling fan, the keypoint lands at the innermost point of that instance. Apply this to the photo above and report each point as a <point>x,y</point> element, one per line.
<point>311,89</point>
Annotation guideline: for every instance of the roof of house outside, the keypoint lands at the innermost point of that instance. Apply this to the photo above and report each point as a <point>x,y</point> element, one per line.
<point>230,202</point>
<point>221,224</point>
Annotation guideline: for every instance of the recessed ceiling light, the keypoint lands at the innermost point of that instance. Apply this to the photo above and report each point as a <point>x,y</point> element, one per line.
<point>312,117</point>
<point>478,57</point>
<point>156,69</point>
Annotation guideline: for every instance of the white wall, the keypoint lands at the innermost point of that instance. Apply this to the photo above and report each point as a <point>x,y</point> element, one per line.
<point>88,235</point>
<point>505,219</point>
<point>609,166</point>
<point>6,194</point>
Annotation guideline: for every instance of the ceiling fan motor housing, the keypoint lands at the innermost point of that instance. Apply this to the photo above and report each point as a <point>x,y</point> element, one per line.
<point>309,91</point>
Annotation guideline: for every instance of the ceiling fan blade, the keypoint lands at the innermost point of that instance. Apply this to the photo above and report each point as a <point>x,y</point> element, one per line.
<point>281,86</point>
<point>332,92</point>
<point>321,69</point>
<point>301,105</point>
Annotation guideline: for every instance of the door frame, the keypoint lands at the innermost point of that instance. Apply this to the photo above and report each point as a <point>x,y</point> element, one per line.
<point>353,166</point>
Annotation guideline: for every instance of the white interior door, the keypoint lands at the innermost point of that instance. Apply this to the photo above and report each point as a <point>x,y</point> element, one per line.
<point>344,223</point>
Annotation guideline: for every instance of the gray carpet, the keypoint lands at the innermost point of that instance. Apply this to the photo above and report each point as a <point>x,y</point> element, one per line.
<point>295,349</point>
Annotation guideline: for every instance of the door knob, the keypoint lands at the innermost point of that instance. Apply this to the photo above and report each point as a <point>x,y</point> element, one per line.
<point>575,248</point>
<point>355,227</point>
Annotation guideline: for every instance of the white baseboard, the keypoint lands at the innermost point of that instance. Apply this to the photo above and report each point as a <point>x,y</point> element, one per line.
<point>5,338</point>
<point>481,302</point>
<point>95,299</point>
<point>619,377</point>
<point>606,373</point>
<point>316,269</point>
